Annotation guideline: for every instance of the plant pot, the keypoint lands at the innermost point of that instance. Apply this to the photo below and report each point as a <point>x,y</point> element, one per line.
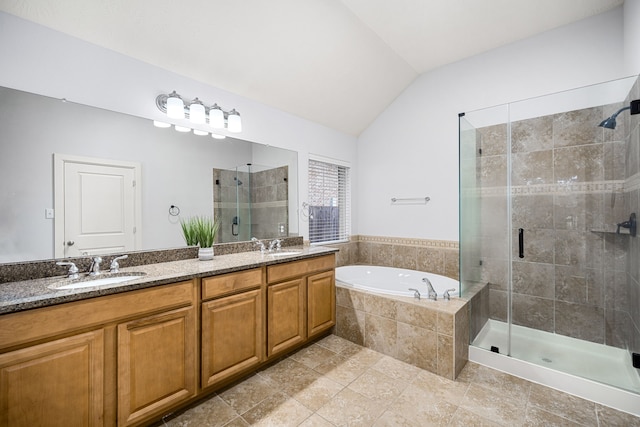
<point>205,254</point>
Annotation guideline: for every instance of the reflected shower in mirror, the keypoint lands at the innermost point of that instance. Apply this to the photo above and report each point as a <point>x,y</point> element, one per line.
<point>251,201</point>
<point>175,170</point>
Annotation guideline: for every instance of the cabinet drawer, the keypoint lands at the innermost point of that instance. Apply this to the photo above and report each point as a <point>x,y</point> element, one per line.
<point>279,272</point>
<point>227,283</point>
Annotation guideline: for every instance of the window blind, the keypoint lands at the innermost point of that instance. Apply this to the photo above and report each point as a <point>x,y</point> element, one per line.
<point>329,202</point>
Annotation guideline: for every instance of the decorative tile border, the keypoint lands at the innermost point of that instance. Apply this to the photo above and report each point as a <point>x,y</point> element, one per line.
<point>427,243</point>
<point>561,188</point>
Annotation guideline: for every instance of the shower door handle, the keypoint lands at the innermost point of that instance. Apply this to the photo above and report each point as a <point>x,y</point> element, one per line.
<point>520,242</point>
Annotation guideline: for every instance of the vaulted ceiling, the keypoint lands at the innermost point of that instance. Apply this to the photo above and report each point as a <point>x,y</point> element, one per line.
<point>339,63</point>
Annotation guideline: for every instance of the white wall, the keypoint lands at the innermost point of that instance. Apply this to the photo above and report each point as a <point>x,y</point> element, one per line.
<point>411,150</point>
<point>632,36</point>
<point>39,60</point>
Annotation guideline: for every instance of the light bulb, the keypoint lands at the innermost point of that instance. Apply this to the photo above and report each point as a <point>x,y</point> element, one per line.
<point>234,122</point>
<point>217,136</point>
<point>200,132</point>
<point>175,106</point>
<point>196,112</point>
<point>183,129</point>
<point>216,117</point>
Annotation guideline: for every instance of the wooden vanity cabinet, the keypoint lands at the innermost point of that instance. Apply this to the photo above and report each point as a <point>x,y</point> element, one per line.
<point>232,325</point>
<point>121,359</point>
<point>300,302</point>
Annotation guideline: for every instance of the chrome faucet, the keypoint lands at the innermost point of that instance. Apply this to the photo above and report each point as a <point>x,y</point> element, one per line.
<point>446,293</point>
<point>73,270</point>
<point>94,270</point>
<point>115,267</point>
<point>416,293</point>
<point>432,292</point>
<point>276,243</point>
<point>259,244</point>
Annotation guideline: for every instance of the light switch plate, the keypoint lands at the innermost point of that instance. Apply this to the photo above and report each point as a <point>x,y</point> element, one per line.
<point>48,214</point>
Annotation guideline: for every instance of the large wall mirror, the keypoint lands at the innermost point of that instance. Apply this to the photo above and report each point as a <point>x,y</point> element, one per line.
<point>39,134</point>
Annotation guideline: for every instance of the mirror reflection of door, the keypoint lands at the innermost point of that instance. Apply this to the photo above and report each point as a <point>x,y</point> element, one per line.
<point>97,206</point>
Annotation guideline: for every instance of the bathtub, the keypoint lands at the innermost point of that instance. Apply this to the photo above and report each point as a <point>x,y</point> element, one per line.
<point>393,281</point>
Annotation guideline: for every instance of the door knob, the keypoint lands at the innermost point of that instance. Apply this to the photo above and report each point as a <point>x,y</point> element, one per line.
<point>71,243</point>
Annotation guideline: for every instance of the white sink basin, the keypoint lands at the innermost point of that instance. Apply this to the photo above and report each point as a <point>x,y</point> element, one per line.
<point>284,253</point>
<point>90,282</point>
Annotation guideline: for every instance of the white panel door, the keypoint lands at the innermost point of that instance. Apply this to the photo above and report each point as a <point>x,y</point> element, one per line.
<point>99,207</point>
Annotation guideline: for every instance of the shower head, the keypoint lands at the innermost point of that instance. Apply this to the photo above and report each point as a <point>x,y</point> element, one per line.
<point>610,123</point>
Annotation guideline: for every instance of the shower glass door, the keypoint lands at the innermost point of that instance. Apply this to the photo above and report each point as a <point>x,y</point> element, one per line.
<point>557,285</point>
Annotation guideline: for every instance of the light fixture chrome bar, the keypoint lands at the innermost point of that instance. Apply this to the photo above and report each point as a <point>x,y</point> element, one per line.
<point>161,103</point>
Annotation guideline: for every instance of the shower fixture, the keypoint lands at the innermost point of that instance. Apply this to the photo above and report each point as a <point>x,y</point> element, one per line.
<point>238,182</point>
<point>610,123</point>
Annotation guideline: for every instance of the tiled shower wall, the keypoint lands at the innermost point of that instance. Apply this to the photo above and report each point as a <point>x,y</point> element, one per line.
<point>571,182</point>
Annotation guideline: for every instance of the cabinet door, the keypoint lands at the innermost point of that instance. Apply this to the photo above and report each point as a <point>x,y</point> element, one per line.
<point>321,302</point>
<point>231,335</point>
<point>286,315</point>
<point>59,383</point>
<point>156,364</point>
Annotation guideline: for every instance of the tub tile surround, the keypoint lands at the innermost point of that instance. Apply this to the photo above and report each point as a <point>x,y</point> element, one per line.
<point>569,177</point>
<point>432,335</point>
<point>434,256</point>
<point>334,382</point>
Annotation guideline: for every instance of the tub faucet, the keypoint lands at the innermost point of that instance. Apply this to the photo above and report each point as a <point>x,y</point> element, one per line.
<point>432,292</point>
<point>94,270</point>
<point>446,294</point>
<point>416,293</point>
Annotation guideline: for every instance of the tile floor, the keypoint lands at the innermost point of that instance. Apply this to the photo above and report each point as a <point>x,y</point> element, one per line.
<point>334,382</point>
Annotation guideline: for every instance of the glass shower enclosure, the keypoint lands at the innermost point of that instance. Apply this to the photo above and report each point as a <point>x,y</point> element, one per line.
<point>549,254</point>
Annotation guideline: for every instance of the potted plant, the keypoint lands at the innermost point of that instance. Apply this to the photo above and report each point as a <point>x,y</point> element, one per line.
<point>201,231</point>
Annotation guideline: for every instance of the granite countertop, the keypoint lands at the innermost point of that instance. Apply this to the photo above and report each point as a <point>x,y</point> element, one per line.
<point>28,294</point>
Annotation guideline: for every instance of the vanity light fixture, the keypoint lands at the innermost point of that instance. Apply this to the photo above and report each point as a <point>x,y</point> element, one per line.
<point>217,136</point>
<point>183,129</point>
<point>200,132</point>
<point>198,113</point>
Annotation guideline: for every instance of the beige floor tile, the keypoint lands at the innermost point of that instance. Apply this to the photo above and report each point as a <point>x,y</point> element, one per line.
<point>249,393</point>
<point>236,422</point>
<point>213,412</point>
<point>318,393</point>
<point>396,369</point>
<point>277,410</point>
<point>440,388</point>
<point>415,405</point>
<point>316,420</point>
<point>502,383</point>
<point>378,387</point>
<point>567,406</point>
<point>468,373</point>
<point>336,344</point>
<point>539,417</point>
<point>612,417</point>
<point>312,355</point>
<point>391,419</point>
<point>341,369</point>
<point>349,408</point>
<point>363,356</point>
<point>498,408</point>
<point>464,418</point>
<point>291,376</point>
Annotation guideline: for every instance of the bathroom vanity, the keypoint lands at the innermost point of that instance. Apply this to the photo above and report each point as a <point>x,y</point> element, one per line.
<point>128,355</point>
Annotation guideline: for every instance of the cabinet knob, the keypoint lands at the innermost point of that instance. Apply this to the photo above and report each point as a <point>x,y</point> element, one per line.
<point>71,243</point>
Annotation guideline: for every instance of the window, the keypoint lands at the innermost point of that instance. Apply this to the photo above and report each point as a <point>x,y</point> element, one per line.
<point>329,202</point>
